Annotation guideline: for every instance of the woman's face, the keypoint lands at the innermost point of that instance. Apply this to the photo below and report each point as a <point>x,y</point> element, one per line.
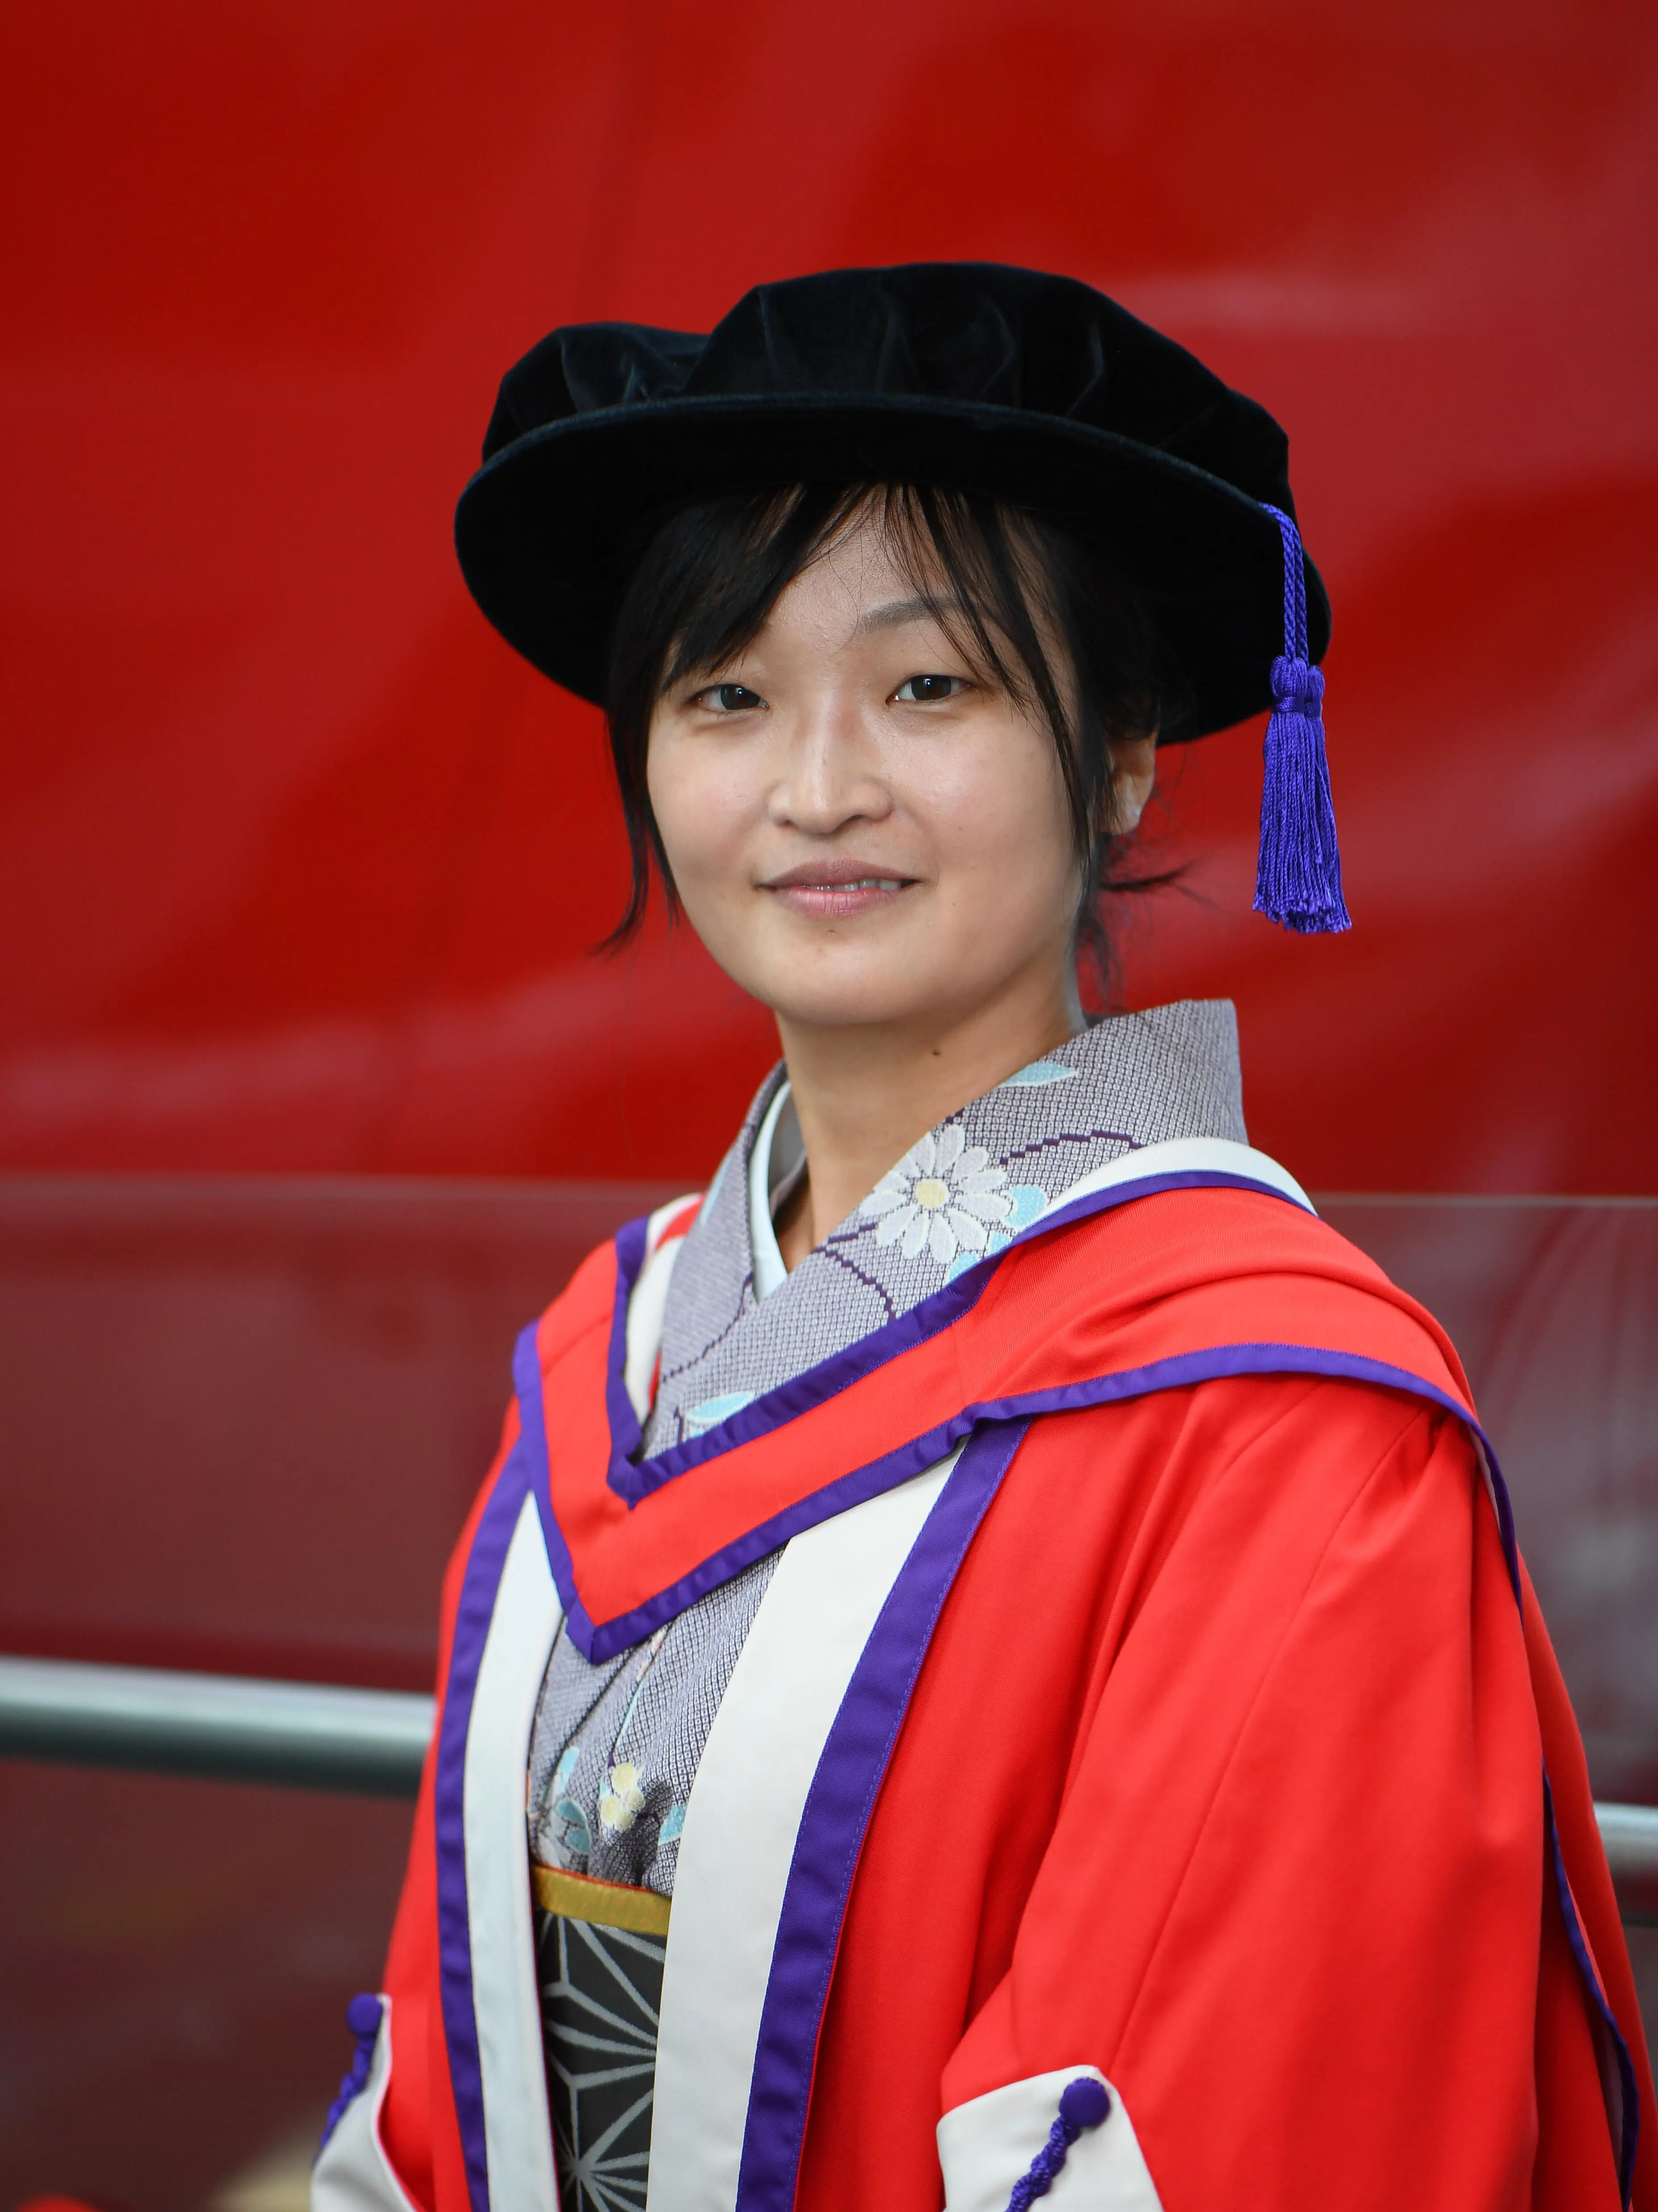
<point>863,831</point>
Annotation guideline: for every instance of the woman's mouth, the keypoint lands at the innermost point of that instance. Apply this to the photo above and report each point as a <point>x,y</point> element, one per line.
<point>832,891</point>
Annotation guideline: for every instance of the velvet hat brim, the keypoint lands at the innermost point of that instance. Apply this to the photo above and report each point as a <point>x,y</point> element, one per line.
<point>1077,411</point>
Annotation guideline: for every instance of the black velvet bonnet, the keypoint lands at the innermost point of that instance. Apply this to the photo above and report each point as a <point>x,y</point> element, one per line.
<point>966,375</point>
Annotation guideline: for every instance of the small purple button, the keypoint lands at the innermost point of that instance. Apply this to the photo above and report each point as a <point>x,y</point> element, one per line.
<point>1084,2102</point>
<point>362,2016</point>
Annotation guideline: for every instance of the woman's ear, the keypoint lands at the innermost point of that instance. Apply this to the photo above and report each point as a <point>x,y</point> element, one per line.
<point>1133,771</point>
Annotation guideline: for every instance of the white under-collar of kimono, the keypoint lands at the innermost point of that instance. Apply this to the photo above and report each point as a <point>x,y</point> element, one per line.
<point>776,1166</point>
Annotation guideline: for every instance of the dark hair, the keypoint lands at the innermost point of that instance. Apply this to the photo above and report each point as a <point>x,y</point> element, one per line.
<point>706,582</point>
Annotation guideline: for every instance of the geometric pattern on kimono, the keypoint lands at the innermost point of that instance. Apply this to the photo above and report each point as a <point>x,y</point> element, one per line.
<point>1184,1387</point>
<point>601,1997</point>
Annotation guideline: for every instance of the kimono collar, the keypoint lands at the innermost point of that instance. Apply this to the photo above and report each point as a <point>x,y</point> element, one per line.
<point>734,1329</point>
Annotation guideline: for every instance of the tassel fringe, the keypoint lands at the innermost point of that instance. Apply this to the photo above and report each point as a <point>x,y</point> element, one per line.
<point>1298,873</point>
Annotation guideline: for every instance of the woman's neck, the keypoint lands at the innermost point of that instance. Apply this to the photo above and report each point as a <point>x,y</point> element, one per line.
<point>863,1097</point>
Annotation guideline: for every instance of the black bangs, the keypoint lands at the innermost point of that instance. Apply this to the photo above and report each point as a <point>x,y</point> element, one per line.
<point>1033,609</point>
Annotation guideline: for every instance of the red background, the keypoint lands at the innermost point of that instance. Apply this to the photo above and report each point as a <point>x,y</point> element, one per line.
<point>299,866</point>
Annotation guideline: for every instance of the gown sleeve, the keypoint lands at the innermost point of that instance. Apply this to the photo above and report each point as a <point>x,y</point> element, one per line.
<point>1326,1964</point>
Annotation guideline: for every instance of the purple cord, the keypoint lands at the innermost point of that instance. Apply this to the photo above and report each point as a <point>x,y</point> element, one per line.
<point>1084,2104</point>
<point>362,2017</point>
<point>1298,875</point>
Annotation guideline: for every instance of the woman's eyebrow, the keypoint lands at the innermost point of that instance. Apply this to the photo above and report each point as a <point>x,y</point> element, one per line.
<point>892,614</point>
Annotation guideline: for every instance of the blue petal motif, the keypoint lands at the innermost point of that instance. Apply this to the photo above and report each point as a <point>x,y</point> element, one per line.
<point>1039,1071</point>
<point>671,1828</point>
<point>577,1838</point>
<point>1030,1204</point>
<point>712,1411</point>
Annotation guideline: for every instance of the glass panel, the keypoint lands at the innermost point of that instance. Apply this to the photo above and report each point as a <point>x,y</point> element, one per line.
<point>1553,1306</point>
<point>176,1981</point>
<point>244,1419</point>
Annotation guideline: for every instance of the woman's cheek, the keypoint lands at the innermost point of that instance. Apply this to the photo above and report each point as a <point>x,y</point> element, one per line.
<point>696,817</point>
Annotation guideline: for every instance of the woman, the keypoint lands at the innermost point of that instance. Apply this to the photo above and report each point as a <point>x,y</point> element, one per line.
<point>1005,1627</point>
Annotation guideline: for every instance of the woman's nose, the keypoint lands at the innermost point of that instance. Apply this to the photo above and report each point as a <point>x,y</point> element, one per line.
<point>830,773</point>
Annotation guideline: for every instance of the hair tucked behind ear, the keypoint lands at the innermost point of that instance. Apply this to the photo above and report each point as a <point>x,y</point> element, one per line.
<point>1003,582</point>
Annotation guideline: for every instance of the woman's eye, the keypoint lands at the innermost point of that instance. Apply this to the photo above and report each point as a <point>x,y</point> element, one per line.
<point>729,698</point>
<point>921,690</point>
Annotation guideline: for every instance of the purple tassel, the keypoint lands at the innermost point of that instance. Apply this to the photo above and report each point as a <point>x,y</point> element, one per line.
<point>362,2017</point>
<point>1298,874</point>
<point>1084,2104</point>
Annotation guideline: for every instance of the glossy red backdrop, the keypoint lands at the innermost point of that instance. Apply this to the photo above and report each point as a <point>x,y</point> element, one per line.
<point>298,865</point>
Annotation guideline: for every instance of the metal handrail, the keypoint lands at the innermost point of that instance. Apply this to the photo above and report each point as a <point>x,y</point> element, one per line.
<point>1630,1833</point>
<point>315,1735</point>
<point>309,1734</point>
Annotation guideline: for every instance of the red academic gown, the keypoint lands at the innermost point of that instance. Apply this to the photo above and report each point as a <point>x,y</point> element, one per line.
<point>1202,1747</point>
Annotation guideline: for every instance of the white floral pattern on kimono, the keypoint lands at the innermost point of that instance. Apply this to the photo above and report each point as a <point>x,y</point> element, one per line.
<point>943,1194</point>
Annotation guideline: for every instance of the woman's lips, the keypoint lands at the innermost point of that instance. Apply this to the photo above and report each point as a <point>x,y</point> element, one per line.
<point>832,891</point>
<point>834,902</point>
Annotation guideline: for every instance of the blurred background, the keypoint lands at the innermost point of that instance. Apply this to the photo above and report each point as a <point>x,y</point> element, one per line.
<point>310,1092</point>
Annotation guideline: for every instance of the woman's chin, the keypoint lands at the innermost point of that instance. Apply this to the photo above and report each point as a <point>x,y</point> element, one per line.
<point>862,1003</point>
<point>841,1010</point>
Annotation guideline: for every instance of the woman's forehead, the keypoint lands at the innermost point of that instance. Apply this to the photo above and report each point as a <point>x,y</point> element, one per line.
<point>860,585</point>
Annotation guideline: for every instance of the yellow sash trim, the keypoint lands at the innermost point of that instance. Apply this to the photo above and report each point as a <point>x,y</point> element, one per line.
<point>605,1904</point>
